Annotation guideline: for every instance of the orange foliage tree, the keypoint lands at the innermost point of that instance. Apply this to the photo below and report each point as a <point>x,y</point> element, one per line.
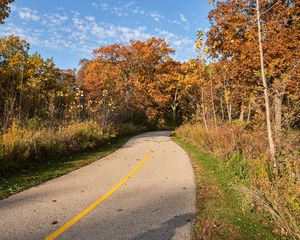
<point>131,75</point>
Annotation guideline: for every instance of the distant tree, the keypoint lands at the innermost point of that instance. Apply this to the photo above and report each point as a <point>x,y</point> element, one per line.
<point>31,87</point>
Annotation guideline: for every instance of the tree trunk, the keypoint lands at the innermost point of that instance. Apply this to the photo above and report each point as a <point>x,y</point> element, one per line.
<point>174,106</point>
<point>203,111</point>
<point>174,114</point>
<point>222,108</point>
<point>9,107</point>
<point>242,113</point>
<point>266,95</point>
<point>213,103</point>
<point>229,111</point>
<point>249,111</point>
<point>278,112</point>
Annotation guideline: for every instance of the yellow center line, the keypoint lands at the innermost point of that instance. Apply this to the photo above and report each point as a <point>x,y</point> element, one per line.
<point>79,216</point>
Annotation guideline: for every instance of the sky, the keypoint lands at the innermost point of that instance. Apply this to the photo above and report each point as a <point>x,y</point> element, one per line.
<point>68,30</point>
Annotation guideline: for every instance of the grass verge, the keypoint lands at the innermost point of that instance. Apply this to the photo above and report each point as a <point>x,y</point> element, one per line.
<point>223,212</point>
<point>23,179</point>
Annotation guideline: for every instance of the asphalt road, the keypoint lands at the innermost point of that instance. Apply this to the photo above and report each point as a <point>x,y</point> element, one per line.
<point>157,202</point>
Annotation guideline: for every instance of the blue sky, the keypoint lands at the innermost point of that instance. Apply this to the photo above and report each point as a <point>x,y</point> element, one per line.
<point>69,30</point>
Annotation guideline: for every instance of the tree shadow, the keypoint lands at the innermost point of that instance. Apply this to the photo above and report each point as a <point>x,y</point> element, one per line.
<point>167,229</point>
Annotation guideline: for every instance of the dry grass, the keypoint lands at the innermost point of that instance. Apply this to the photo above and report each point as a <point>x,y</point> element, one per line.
<point>245,152</point>
<point>21,146</point>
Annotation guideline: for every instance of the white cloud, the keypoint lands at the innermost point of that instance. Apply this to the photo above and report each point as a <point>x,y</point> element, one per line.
<point>97,30</point>
<point>28,14</point>
<point>90,18</point>
<point>95,5</point>
<point>174,40</point>
<point>182,18</point>
<point>119,11</point>
<point>182,42</point>
<point>32,36</point>
<point>174,21</point>
<point>54,19</point>
<point>127,34</point>
<point>165,34</point>
<point>206,30</point>
<point>104,6</point>
<point>82,33</point>
<point>138,10</point>
<point>156,16</point>
<point>128,5</point>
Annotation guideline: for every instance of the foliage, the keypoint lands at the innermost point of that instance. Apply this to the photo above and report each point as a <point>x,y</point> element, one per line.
<point>245,153</point>
<point>127,76</point>
<point>233,41</point>
<point>223,212</point>
<point>32,87</point>
<point>4,9</point>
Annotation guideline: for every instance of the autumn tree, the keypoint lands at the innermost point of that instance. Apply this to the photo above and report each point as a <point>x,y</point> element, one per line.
<point>4,9</point>
<point>258,40</point>
<point>233,38</point>
<point>31,87</point>
<point>130,74</point>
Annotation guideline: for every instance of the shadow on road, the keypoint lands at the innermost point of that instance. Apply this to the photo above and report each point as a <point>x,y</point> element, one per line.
<point>167,229</point>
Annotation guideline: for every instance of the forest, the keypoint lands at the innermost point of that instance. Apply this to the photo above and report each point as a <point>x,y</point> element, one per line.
<point>238,101</point>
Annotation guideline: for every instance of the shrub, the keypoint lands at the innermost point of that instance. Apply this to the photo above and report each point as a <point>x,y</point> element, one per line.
<point>129,128</point>
<point>245,152</point>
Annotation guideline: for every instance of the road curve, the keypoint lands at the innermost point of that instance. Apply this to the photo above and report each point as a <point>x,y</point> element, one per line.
<point>156,203</point>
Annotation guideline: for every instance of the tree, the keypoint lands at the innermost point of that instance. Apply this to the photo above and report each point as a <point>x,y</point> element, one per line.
<point>4,9</point>
<point>31,87</point>
<point>130,73</point>
<point>266,92</point>
<point>261,50</point>
<point>13,55</point>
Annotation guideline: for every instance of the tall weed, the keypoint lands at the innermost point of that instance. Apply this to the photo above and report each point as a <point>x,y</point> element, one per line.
<point>245,152</point>
<point>21,146</point>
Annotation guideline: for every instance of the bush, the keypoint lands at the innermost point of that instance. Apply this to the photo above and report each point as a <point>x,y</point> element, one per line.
<point>129,128</point>
<point>245,152</point>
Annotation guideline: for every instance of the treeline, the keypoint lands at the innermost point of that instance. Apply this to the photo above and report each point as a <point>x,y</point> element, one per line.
<point>249,110</point>
<point>124,88</point>
<point>141,83</point>
<point>33,89</point>
<point>234,40</point>
<point>135,83</point>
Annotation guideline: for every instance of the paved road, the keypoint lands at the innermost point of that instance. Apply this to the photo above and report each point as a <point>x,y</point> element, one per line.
<point>156,203</point>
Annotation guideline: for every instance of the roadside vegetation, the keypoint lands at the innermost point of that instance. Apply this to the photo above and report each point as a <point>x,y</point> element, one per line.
<point>29,176</point>
<point>238,101</point>
<point>232,168</point>
<point>224,212</point>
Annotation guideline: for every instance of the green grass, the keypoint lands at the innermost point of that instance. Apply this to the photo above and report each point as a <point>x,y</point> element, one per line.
<point>223,211</point>
<point>23,179</point>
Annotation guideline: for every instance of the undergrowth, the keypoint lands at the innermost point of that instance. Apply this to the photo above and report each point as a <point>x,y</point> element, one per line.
<point>22,179</point>
<point>223,212</point>
<point>243,153</point>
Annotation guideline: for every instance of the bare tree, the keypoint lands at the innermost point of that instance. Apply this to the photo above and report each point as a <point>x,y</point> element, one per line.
<point>266,95</point>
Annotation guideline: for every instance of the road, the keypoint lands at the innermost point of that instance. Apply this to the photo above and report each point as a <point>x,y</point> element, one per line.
<point>156,200</point>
